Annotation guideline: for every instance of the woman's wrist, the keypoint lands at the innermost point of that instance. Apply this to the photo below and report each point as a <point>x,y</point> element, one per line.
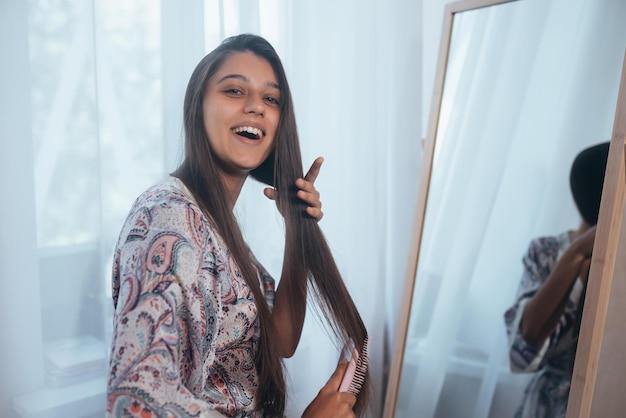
<point>576,254</point>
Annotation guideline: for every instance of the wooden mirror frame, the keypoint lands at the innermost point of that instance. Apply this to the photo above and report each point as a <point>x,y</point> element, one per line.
<point>602,335</point>
<point>600,370</point>
<point>397,355</point>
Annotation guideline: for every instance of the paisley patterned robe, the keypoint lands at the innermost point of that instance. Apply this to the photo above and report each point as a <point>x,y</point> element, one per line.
<point>186,331</point>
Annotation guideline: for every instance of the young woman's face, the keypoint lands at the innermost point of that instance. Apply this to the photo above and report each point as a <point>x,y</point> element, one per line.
<point>241,112</point>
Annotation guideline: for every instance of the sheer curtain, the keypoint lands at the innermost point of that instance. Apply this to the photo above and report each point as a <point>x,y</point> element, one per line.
<point>511,124</point>
<point>90,115</point>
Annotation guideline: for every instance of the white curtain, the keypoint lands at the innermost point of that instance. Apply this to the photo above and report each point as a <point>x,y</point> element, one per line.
<point>90,115</point>
<point>529,84</point>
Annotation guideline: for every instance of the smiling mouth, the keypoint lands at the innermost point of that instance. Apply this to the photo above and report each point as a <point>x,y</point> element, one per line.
<point>249,132</point>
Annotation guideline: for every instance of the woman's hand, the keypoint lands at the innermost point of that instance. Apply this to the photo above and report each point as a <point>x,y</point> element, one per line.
<point>329,403</point>
<point>307,191</point>
<point>583,245</point>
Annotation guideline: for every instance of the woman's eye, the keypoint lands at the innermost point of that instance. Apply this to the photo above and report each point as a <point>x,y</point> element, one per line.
<point>272,100</point>
<point>233,91</point>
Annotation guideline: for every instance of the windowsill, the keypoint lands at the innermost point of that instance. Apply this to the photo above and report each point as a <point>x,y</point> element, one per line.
<point>74,401</point>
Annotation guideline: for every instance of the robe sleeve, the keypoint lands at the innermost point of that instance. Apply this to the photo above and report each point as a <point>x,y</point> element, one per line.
<point>538,262</point>
<point>166,297</point>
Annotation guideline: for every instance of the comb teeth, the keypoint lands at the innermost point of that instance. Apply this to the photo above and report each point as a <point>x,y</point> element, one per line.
<point>355,373</point>
<point>360,371</point>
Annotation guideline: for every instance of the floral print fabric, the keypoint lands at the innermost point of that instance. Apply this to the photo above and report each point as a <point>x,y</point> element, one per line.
<point>548,391</point>
<point>186,330</point>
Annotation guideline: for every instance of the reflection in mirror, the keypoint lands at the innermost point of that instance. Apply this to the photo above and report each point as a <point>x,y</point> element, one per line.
<point>527,85</point>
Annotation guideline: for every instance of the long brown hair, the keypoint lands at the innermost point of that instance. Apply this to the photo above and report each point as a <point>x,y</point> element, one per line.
<point>304,242</point>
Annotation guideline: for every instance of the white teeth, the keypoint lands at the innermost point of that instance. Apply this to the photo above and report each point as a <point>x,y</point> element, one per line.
<point>251,130</point>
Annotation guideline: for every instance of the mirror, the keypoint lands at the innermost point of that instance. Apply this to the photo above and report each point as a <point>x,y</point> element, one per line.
<point>522,86</point>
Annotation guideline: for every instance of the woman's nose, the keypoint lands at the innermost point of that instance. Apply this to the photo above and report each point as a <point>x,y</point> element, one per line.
<point>255,104</point>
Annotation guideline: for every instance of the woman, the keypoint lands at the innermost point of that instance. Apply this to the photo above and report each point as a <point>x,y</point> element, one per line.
<point>543,323</point>
<point>198,326</point>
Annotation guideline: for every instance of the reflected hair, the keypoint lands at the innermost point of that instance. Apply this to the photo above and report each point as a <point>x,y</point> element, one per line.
<point>305,244</point>
<point>587,179</point>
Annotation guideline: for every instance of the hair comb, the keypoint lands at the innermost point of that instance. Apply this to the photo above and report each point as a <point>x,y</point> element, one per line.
<point>354,376</point>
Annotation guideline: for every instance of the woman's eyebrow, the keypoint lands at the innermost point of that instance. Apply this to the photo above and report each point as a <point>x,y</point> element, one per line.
<point>235,76</point>
<point>270,84</point>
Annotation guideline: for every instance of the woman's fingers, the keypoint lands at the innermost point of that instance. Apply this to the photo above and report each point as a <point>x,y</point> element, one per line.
<point>306,191</point>
<point>329,403</point>
<point>270,193</point>
<point>313,172</point>
<point>335,379</point>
